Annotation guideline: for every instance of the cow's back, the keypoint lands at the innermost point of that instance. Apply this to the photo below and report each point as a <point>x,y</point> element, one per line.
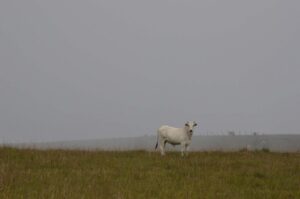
<point>171,133</point>
<point>164,129</point>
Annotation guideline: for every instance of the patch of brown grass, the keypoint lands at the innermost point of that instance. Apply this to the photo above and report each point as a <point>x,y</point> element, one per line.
<point>28,173</point>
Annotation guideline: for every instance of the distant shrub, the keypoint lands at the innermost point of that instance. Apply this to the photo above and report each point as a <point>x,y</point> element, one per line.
<point>231,133</point>
<point>245,149</point>
<point>266,150</point>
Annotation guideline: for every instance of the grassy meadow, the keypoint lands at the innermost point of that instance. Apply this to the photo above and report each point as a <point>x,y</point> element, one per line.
<point>30,173</point>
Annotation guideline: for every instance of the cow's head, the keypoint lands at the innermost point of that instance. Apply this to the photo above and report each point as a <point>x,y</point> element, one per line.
<point>189,126</point>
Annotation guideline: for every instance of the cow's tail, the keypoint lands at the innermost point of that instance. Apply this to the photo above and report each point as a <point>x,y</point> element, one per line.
<point>156,142</point>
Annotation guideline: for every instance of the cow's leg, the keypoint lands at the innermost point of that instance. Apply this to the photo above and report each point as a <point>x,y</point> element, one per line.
<point>182,149</point>
<point>162,144</point>
<point>186,149</point>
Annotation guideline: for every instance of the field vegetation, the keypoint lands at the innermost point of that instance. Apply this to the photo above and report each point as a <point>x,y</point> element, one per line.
<point>30,173</point>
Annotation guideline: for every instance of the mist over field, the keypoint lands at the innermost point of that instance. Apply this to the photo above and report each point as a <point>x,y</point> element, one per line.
<point>276,143</point>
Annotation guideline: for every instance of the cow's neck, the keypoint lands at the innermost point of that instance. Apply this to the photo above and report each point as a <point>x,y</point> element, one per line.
<point>189,134</point>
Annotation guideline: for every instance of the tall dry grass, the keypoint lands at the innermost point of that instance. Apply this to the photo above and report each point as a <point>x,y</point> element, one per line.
<point>28,173</point>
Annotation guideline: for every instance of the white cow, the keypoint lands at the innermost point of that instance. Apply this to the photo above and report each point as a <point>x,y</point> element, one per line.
<point>175,136</point>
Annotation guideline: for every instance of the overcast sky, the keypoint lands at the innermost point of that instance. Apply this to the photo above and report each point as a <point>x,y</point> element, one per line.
<point>89,69</point>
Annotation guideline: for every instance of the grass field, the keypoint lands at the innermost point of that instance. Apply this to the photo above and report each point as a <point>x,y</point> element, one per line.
<point>28,173</point>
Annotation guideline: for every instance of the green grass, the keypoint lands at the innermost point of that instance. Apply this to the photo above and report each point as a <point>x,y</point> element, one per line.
<point>28,173</point>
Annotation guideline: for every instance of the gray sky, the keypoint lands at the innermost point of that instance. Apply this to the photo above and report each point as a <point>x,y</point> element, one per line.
<point>93,69</point>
